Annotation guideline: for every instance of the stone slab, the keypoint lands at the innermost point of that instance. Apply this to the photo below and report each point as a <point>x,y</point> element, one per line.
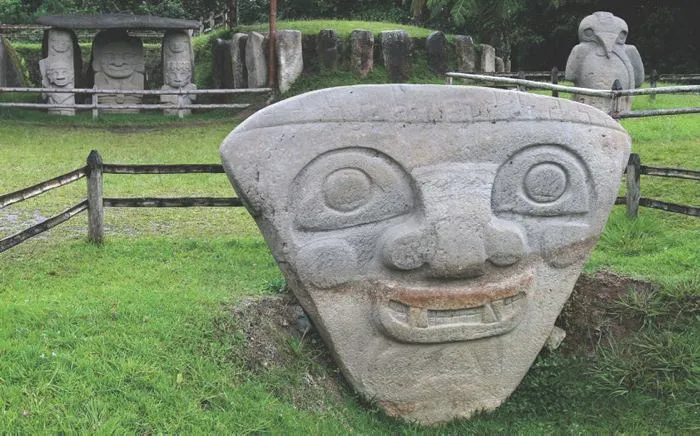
<point>290,63</point>
<point>487,63</point>
<point>328,48</point>
<point>240,73</point>
<point>10,70</point>
<point>465,52</point>
<point>431,232</point>
<point>436,51</point>
<point>116,21</point>
<point>361,52</point>
<point>256,60</point>
<point>396,54</point>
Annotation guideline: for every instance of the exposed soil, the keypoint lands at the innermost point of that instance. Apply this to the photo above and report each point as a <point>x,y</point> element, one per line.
<point>273,332</point>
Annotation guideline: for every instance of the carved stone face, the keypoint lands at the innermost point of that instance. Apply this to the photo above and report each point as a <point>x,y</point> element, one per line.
<point>433,233</point>
<point>178,74</point>
<point>178,43</point>
<point>604,30</point>
<point>118,60</point>
<point>60,75</point>
<point>60,42</point>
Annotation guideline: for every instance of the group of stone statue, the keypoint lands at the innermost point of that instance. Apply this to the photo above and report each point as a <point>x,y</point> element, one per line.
<point>117,63</point>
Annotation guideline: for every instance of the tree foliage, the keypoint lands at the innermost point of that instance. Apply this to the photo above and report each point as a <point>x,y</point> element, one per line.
<point>536,34</point>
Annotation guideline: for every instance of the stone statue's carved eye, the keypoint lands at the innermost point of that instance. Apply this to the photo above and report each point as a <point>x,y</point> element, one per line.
<point>588,32</point>
<point>350,187</point>
<point>542,180</point>
<point>622,37</point>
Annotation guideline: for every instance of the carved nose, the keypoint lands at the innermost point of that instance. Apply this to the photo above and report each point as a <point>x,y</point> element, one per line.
<point>459,233</point>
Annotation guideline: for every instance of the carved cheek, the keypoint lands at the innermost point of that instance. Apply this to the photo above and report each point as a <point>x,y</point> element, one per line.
<point>327,263</point>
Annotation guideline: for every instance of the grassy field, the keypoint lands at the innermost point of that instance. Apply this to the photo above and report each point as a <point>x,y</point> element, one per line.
<point>127,337</point>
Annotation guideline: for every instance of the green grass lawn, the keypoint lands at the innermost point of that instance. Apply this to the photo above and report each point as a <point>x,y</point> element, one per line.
<point>127,337</point>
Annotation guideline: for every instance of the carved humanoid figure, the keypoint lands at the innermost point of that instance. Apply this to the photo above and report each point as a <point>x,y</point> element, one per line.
<point>58,73</point>
<point>58,70</point>
<point>178,65</point>
<point>603,57</point>
<point>432,233</point>
<point>118,63</point>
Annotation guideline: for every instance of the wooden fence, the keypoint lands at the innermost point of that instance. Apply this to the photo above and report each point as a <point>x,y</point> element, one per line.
<point>95,106</point>
<point>96,201</point>
<point>613,94</point>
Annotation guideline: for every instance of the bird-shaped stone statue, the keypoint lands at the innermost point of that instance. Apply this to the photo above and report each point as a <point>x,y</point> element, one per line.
<point>603,57</point>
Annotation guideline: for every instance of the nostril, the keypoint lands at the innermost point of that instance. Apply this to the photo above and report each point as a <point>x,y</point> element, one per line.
<point>406,247</point>
<point>505,243</point>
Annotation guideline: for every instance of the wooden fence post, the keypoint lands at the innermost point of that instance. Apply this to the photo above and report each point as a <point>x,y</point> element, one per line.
<point>555,80</point>
<point>95,112</point>
<point>615,100</point>
<point>652,83</point>
<point>633,185</point>
<point>521,75</point>
<point>96,228</point>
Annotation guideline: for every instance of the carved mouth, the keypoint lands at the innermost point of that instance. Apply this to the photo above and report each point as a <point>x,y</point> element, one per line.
<point>450,315</point>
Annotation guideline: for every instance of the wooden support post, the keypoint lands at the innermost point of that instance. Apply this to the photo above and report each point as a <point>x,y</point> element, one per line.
<point>271,55</point>
<point>615,100</point>
<point>95,112</point>
<point>633,185</point>
<point>96,228</point>
<point>555,80</point>
<point>652,83</point>
<point>521,76</point>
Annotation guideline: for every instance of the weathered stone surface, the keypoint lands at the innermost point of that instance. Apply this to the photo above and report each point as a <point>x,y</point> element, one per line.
<point>289,59</point>
<point>118,63</point>
<point>603,57</point>
<point>436,51</point>
<point>328,48</point>
<point>487,64</point>
<point>507,65</point>
<point>178,70</point>
<point>556,337</point>
<point>361,52</point>
<point>240,73</point>
<point>435,236</point>
<point>116,21</point>
<point>500,65</point>
<point>396,53</point>
<point>256,60</point>
<point>58,69</point>
<point>465,51</point>
<point>222,76</point>
<point>10,70</point>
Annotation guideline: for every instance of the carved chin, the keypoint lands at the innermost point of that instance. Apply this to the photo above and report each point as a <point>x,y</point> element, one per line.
<point>434,315</point>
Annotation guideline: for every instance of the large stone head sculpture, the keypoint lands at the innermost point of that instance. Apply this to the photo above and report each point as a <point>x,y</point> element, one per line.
<point>432,232</point>
<point>117,55</point>
<point>603,57</point>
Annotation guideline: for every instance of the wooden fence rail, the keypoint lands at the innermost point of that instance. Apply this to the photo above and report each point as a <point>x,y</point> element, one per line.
<point>633,198</point>
<point>96,202</point>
